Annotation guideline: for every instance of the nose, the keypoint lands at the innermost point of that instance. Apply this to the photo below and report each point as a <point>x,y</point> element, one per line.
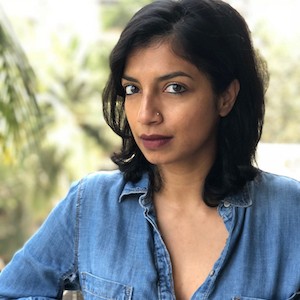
<point>149,112</point>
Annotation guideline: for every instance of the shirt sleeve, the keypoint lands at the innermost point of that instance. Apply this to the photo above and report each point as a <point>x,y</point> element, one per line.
<point>48,259</point>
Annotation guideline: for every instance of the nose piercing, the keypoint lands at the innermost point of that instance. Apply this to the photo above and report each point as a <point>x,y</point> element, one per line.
<point>157,113</point>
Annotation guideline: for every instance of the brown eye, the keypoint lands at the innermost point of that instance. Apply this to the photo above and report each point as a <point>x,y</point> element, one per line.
<point>175,88</point>
<point>130,89</point>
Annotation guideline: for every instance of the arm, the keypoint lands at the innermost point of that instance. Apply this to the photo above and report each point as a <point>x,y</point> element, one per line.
<point>48,259</point>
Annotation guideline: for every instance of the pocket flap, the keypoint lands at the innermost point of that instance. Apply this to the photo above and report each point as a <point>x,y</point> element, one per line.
<point>105,289</point>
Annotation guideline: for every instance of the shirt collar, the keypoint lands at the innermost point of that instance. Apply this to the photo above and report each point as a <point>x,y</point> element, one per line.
<point>241,199</point>
<point>139,188</point>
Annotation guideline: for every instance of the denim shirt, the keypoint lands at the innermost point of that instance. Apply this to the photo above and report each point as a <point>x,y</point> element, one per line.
<point>103,239</point>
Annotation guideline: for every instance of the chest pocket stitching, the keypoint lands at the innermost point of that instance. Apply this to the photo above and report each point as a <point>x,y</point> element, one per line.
<point>246,298</point>
<point>105,289</point>
<point>295,296</point>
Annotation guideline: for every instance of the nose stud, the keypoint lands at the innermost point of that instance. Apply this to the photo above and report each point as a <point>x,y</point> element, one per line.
<point>157,113</point>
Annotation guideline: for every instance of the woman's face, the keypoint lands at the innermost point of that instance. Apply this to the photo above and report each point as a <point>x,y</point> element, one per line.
<point>171,108</point>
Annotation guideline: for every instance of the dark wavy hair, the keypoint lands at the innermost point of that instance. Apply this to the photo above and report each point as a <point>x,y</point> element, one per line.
<point>214,37</point>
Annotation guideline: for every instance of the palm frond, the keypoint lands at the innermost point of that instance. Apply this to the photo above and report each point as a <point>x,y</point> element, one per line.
<point>20,121</point>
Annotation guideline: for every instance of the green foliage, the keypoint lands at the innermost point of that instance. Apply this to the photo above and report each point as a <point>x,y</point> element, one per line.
<point>20,135</point>
<point>26,192</point>
<point>77,84</point>
<point>283,96</point>
<point>115,15</point>
<point>19,113</point>
<point>74,140</point>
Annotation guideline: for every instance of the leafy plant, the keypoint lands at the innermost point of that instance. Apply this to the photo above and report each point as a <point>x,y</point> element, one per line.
<point>20,119</point>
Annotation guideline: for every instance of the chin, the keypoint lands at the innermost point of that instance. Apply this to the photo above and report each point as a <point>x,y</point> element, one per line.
<point>154,160</point>
<point>157,158</point>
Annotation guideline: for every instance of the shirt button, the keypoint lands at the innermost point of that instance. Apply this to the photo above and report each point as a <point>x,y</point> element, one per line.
<point>212,272</point>
<point>226,204</point>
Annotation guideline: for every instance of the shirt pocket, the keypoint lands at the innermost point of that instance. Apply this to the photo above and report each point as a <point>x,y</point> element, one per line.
<point>246,298</point>
<point>96,288</point>
<point>295,296</point>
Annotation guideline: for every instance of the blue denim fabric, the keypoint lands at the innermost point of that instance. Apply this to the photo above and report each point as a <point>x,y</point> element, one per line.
<point>103,238</point>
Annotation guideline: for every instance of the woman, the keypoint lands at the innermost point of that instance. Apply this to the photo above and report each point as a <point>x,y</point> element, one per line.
<point>187,215</point>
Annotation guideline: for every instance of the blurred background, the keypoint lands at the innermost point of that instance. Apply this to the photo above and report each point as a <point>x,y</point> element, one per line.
<point>53,67</point>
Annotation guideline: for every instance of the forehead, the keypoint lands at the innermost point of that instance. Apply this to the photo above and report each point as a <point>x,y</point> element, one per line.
<point>158,55</point>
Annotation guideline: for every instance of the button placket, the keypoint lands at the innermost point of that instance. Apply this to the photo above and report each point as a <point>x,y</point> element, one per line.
<point>163,261</point>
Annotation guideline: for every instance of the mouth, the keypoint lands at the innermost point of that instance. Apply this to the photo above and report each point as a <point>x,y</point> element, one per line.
<point>155,141</point>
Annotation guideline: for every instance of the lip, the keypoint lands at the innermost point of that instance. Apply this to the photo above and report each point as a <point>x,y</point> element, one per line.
<point>155,141</point>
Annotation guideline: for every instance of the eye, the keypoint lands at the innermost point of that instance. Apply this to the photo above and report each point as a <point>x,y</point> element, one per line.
<point>130,89</point>
<point>175,88</point>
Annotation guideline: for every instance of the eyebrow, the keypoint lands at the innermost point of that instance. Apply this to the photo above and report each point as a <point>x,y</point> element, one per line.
<point>161,78</point>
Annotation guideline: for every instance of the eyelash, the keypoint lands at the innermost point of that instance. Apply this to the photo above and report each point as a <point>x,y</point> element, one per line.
<point>131,86</point>
<point>181,87</point>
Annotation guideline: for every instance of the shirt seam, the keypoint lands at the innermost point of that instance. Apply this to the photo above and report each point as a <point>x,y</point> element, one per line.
<point>77,226</point>
<point>73,271</point>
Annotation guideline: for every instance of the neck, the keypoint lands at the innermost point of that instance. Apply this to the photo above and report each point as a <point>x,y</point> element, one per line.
<point>183,187</point>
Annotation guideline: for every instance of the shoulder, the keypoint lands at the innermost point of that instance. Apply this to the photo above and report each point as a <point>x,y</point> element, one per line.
<point>103,179</point>
<point>108,187</point>
<point>277,184</point>
<point>275,190</point>
<point>101,184</point>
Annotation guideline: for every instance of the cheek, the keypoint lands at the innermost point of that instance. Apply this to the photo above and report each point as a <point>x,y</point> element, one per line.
<point>130,114</point>
<point>128,110</point>
<point>202,120</point>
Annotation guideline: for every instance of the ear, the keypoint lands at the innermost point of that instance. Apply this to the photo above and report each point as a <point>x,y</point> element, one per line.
<point>228,98</point>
